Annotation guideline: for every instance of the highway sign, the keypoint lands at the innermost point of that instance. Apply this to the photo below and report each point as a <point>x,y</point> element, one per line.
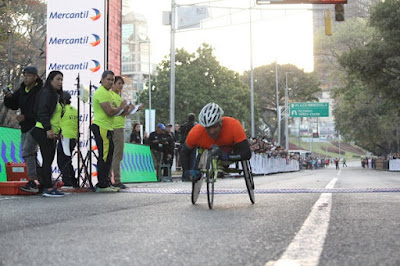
<point>309,109</point>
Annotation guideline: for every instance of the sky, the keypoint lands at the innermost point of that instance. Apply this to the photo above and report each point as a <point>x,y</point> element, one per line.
<point>281,33</point>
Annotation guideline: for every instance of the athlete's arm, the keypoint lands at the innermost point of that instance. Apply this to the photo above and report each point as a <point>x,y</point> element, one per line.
<point>186,154</point>
<point>241,151</point>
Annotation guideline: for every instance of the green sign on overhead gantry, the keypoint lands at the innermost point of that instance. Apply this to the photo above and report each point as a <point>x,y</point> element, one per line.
<point>309,109</point>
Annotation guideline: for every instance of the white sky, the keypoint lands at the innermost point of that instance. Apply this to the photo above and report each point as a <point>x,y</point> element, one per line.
<point>282,35</point>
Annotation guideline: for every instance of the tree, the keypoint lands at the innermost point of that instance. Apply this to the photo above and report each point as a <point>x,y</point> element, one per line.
<point>347,36</point>
<point>22,43</point>
<point>371,93</point>
<point>199,79</point>
<point>304,87</point>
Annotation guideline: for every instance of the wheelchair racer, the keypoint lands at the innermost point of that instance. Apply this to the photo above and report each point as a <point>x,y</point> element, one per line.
<point>224,136</point>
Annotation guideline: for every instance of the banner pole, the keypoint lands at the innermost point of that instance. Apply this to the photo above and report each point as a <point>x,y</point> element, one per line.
<point>78,85</point>
<point>90,133</point>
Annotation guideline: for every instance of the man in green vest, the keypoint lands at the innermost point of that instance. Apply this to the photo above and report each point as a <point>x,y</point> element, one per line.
<point>105,109</point>
<point>67,142</point>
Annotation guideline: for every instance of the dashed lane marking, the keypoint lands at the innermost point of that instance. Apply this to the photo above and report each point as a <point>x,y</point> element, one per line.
<point>261,191</point>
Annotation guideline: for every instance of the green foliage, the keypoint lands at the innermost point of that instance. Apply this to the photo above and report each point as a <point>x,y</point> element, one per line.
<point>199,79</point>
<point>304,87</point>
<point>346,37</point>
<point>371,93</point>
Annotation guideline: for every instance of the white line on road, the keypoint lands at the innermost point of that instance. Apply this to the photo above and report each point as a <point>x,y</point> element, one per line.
<point>307,245</point>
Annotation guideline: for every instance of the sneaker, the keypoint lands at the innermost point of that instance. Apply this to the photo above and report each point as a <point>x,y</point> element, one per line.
<point>107,189</point>
<point>119,185</point>
<point>30,187</point>
<point>53,193</point>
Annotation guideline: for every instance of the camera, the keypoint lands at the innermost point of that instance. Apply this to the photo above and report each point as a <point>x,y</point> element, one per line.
<point>6,89</point>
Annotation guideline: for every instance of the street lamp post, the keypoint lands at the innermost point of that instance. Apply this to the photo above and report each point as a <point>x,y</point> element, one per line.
<point>287,113</point>
<point>277,102</point>
<point>149,59</point>
<point>251,80</point>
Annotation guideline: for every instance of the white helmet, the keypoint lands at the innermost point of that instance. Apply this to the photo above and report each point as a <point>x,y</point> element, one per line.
<point>210,114</point>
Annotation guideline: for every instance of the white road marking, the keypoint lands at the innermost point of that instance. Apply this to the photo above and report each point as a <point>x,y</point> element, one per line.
<point>307,245</point>
<point>339,172</point>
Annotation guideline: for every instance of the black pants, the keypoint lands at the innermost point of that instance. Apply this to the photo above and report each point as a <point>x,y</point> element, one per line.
<point>105,147</point>
<point>64,163</point>
<point>48,150</point>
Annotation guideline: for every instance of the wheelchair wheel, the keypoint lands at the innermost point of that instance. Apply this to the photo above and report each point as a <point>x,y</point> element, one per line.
<point>248,177</point>
<point>210,182</point>
<point>196,187</point>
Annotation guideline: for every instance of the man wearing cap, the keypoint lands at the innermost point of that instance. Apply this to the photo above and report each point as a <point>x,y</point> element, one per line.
<point>157,141</point>
<point>67,142</point>
<point>24,99</point>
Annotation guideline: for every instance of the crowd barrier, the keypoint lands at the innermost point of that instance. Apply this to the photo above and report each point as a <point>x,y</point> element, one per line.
<point>394,165</point>
<point>261,164</point>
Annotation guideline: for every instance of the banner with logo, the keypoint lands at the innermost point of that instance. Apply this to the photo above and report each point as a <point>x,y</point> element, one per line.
<point>76,33</point>
<point>76,36</point>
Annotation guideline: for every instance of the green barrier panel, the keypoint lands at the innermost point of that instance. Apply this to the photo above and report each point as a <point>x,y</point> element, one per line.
<point>10,149</point>
<point>137,164</point>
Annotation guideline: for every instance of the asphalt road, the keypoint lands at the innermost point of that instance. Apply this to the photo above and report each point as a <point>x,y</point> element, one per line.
<point>338,222</point>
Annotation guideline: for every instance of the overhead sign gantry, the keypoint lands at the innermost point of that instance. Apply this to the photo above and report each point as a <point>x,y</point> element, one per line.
<point>328,2</point>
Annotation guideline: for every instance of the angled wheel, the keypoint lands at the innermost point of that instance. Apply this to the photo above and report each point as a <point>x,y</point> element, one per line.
<point>196,187</point>
<point>248,177</point>
<point>211,176</point>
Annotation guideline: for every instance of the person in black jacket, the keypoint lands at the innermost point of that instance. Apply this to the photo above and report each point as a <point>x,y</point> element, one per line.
<point>157,141</point>
<point>187,126</point>
<point>24,99</point>
<point>47,128</point>
<point>135,135</point>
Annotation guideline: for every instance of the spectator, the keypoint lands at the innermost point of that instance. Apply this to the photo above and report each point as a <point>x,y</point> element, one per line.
<point>48,116</point>
<point>67,143</point>
<point>169,147</point>
<point>104,109</point>
<point>344,162</point>
<point>118,136</point>
<point>337,163</point>
<point>157,140</point>
<point>24,99</point>
<point>135,135</point>
<point>177,132</point>
<point>145,138</point>
<point>187,126</point>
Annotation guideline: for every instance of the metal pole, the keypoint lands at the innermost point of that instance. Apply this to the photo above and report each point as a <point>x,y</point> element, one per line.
<point>78,148</point>
<point>286,115</point>
<point>149,77</point>
<point>339,143</point>
<point>299,131</point>
<point>251,79</point>
<point>172,74</point>
<point>148,46</point>
<point>277,103</point>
